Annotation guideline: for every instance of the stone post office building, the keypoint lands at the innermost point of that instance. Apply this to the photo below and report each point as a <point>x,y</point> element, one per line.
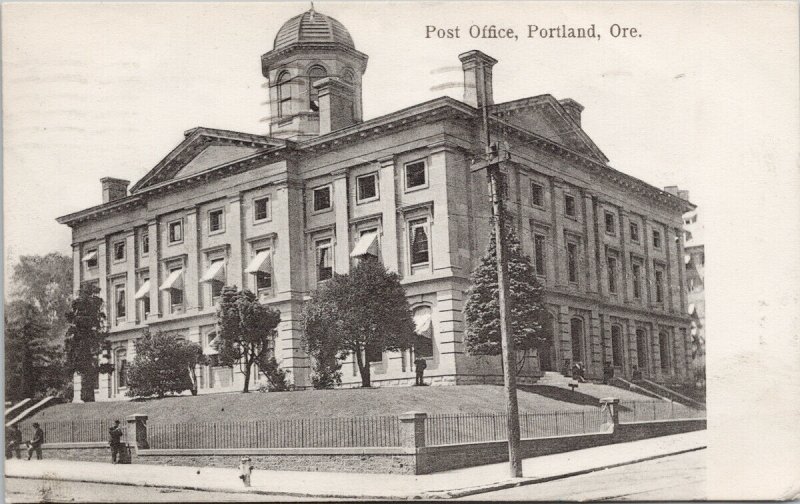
<point>279,214</point>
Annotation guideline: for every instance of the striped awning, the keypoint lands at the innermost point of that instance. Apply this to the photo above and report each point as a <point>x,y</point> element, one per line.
<point>261,263</point>
<point>173,281</point>
<point>143,291</point>
<point>90,256</point>
<point>366,245</point>
<point>215,272</point>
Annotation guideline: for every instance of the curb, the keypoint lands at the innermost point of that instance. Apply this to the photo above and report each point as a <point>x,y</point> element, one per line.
<point>432,495</point>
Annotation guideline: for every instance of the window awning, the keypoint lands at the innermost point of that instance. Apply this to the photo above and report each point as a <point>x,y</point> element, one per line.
<point>89,256</point>
<point>215,272</point>
<point>687,259</point>
<point>261,263</point>
<point>367,244</point>
<point>209,349</point>
<point>143,291</point>
<point>173,281</point>
<point>422,321</point>
<point>691,309</point>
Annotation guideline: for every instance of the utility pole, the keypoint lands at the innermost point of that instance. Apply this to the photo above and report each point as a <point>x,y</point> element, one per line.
<point>492,162</point>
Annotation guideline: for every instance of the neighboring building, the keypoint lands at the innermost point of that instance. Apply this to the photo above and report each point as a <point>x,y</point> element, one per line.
<point>280,214</point>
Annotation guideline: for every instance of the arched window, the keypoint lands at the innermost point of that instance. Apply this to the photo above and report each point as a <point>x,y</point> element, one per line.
<point>315,73</point>
<point>349,77</point>
<point>641,348</point>
<point>121,364</point>
<point>284,95</point>
<point>423,342</point>
<point>576,331</point>
<point>616,346</point>
<point>663,350</point>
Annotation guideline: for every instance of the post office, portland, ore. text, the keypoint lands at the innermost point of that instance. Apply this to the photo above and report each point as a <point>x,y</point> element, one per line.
<point>531,31</point>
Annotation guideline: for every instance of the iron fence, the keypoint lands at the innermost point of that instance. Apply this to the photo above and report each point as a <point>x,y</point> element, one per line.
<point>289,433</point>
<point>71,431</point>
<point>645,411</point>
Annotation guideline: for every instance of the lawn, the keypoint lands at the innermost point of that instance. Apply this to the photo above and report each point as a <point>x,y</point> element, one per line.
<point>316,404</point>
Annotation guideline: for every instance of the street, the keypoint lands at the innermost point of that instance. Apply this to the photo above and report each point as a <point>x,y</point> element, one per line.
<point>678,477</point>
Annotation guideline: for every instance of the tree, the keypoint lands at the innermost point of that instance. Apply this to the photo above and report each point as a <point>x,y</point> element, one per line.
<point>362,312</point>
<point>85,338</point>
<point>529,322</point>
<point>33,365</point>
<point>246,330</point>
<point>164,364</point>
<point>46,282</point>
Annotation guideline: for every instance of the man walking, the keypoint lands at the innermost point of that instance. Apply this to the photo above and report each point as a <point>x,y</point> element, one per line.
<point>420,368</point>
<point>13,442</point>
<point>35,444</point>
<point>115,441</point>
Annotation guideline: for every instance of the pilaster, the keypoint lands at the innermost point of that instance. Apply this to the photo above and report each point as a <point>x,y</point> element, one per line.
<point>234,269</point>
<point>563,336</point>
<point>595,341</point>
<point>560,256</point>
<point>449,308</point>
<point>681,276</point>
<point>77,268</point>
<point>388,195</point>
<point>130,287</point>
<point>440,222</point>
<point>191,272</point>
<point>341,258</point>
<point>624,260</point>
<point>102,270</point>
<point>671,295</point>
<point>592,242</point>
<point>155,271</point>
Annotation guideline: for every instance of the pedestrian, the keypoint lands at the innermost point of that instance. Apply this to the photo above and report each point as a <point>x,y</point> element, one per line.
<point>115,441</point>
<point>35,444</point>
<point>14,442</point>
<point>420,365</point>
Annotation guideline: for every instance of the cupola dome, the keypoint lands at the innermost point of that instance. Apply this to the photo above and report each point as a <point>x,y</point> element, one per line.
<point>312,27</point>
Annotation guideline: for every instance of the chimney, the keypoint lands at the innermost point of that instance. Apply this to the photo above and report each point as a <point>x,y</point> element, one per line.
<point>680,193</point>
<point>336,106</point>
<point>572,108</point>
<point>114,188</point>
<point>477,78</point>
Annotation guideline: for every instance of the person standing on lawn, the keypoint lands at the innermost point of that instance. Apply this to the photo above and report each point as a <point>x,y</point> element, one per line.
<point>115,441</point>
<point>13,442</point>
<point>35,444</point>
<point>420,366</point>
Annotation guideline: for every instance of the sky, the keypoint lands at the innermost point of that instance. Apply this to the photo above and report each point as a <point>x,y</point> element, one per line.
<point>706,99</point>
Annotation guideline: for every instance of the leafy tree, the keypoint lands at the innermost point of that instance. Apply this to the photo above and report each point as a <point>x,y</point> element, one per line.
<point>276,377</point>
<point>33,365</point>
<point>164,364</point>
<point>529,319</point>
<point>85,338</point>
<point>45,282</point>
<point>351,314</point>
<point>246,330</point>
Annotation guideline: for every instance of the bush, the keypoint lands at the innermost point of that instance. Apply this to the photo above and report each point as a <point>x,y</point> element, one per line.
<point>276,377</point>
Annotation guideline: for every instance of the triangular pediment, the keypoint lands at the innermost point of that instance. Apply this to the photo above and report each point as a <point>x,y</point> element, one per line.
<point>544,116</point>
<point>203,149</point>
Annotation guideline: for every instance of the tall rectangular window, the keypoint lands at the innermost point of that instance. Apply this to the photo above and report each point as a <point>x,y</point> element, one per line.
<point>418,232</point>
<point>261,209</point>
<point>216,221</point>
<point>119,251</point>
<point>145,240</point>
<point>538,254</point>
<point>637,280</point>
<point>322,198</point>
<point>612,274</point>
<point>367,188</point>
<point>634,228</point>
<point>416,175</point>
<point>119,302</point>
<point>569,205</point>
<point>659,286</point>
<point>175,230</point>
<point>263,278</point>
<point>537,194</point>
<point>572,262</point>
<point>656,239</point>
<point>91,258</point>
<point>324,260</point>
<point>611,226</point>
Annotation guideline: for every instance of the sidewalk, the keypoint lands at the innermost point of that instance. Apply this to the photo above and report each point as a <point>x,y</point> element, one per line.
<point>457,483</point>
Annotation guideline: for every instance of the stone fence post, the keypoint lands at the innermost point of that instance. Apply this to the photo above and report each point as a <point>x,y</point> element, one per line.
<point>137,431</point>
<point>412,429</point>
<point>611,406</point>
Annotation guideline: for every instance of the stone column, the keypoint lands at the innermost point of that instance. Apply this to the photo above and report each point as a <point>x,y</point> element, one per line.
<point>412,429</point>
<point>130,288</point>
<point>137,431</point>
<point>76,388</point>
<point>440,220</point>
<point>341,254</point>
<point>564,336</point>
<point>389,250</point>
<point>681,276</point>
<point>155,279</point>
<point>647,283</point>
<point>77,268</point>
<point>102,272</point>
<point>624,260</point>
<point>233,229</point>
<point>669,291</point>
<point>594,340</point>
<point>560,247</point>
<point>191,274</point>
<point>591,247</point>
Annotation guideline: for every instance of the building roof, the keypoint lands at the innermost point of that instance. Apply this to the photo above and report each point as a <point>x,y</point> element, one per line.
<point>313,27</point>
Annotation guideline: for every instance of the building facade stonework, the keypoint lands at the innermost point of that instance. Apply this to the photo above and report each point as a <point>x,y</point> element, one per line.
<point>279,214</point>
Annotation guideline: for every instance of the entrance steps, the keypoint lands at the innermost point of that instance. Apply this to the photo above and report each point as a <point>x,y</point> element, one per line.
<point>597,390</point>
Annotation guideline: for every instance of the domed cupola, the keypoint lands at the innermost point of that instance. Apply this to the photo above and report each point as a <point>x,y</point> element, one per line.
<point>314,73</point>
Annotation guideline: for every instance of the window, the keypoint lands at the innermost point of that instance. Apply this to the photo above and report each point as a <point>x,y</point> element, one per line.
<point>173,285</point>
<point>423,329</point>
<point>315,73</point>
<point>119,302</point>
<point>215,277</point>
<point>656,239</point>
<point>91,258</point>
<point>641,349</point>
<point>634,232</point>
<point>416,175</point>
<point>260,266</point>
<point>537,194</point>
<point>616,346</point>
<point>611,226</point>
<point>322,198</point>
<point>637,281</point>
<point>572,262</point>
<point>263,278</point>
<point>284,95</point>
<point>612,274</point>
<point>216,221</point>
<point>142,297</point>
<point>418,232</point>
<point>261,209</point>
<point>122,368</point>
<point>367,244</point>
<point>145,240</point>
<point>175,231</point>
<point>324,260</point>
<point>569,205</point>
<point>659,286</point>
<point>367,187</point>
<point>538,254</point>
<point>663,350</point>
<point>119,251</point>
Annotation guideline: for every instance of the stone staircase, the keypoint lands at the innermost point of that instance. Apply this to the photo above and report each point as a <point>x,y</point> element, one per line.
<point>596,390</point>
<point>553,379</point>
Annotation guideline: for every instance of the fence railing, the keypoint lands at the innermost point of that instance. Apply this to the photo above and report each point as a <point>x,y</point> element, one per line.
<point>71,431</point>
<point>470,428</point>
<point>644,411</point>
<point>289,433</point>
